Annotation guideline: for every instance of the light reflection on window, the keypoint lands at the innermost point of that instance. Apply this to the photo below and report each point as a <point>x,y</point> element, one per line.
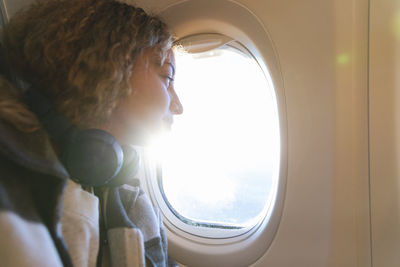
<point>220,160</point>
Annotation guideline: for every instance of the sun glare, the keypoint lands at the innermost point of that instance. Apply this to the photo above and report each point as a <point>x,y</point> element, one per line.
<point>218,162</point>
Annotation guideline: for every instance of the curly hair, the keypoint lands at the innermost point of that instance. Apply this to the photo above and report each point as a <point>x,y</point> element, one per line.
<point>81,53</point>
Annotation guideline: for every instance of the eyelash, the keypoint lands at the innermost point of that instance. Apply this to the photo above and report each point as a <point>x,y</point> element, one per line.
<point>170,79</point>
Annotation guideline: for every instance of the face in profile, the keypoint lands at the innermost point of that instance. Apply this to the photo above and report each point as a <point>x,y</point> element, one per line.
<point>150,108</point>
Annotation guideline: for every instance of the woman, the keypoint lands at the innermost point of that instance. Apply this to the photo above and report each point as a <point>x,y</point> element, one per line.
<point>99,64</point>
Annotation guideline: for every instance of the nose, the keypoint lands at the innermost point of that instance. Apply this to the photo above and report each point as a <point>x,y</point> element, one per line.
<point>175,106</point>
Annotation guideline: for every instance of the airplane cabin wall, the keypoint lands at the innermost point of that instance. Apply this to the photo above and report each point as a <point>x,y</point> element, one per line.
<point>384,87</point>
<point>322,48</point>
<point>12,6</point>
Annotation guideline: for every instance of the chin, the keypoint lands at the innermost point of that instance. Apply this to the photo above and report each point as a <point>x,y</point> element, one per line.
<point>166,125</point>
<point>156,132</point>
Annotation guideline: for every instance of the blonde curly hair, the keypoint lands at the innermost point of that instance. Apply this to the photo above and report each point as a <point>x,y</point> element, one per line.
<point>81,53</point>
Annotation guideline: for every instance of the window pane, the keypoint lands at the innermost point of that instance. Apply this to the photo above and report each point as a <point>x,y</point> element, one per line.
<point>223,152</point>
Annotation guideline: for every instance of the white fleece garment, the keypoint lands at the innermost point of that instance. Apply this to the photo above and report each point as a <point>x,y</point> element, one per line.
<point>25,243</point>
<point>80,225</point>
<point>130,242</point>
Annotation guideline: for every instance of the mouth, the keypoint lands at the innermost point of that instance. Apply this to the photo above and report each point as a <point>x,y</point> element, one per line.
<point>168,121</point>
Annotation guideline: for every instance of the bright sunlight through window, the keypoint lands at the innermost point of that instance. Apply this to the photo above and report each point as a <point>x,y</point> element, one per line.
<point>220,161</point>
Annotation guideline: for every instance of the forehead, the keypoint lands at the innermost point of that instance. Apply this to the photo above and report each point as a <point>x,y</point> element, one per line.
<point>156,57</point>
<point>170,57</point>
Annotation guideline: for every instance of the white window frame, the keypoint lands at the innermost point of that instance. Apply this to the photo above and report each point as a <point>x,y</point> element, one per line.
<point>208,246</point>
<point>207,42</point>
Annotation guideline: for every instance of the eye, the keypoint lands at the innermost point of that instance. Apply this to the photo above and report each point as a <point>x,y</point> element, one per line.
<point>167,71</point>
<point>168,80</point>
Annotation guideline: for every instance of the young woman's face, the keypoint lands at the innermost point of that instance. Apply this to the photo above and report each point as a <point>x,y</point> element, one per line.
<point>153,102</point>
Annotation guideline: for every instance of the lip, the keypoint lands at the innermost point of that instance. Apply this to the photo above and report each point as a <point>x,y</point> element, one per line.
<point>169,120</point>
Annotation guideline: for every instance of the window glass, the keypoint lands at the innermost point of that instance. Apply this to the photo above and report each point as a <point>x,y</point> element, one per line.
<point>220,161</point>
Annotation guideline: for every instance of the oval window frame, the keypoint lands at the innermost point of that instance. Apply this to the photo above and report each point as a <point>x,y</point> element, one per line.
<point>200,43</point>
<point>242,248</point>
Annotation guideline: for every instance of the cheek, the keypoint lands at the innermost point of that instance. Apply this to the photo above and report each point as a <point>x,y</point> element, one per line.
<point>156,99</point>
<point>150,100</point>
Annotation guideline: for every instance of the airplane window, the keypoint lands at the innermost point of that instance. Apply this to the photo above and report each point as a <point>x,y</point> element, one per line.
<point>220,161</point>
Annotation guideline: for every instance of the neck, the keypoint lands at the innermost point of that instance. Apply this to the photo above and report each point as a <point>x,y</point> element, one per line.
<point>125,135</point>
